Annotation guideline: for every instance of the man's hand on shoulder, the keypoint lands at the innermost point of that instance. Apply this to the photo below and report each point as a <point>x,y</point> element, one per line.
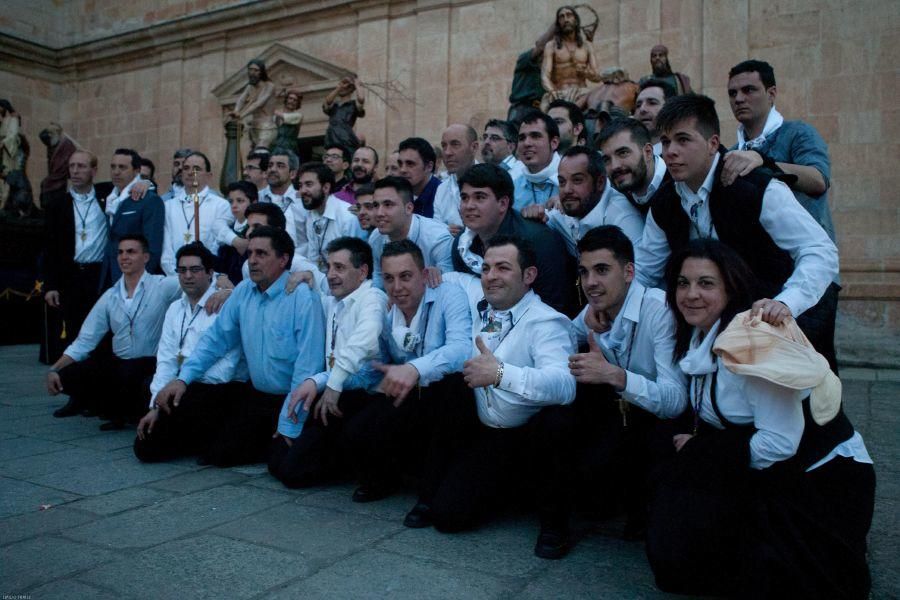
<point>739,163</point>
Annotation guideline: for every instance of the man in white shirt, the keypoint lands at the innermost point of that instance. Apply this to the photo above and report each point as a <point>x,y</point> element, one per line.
<point>626,378</point>
<point>283,165</point>
<point>587,201</point>
<point>517,367</point>
<point>133,311</point>
<point>190,427</point>
<point>792,257</point>
<point>394,220</point>
<point>459,143</point>
<point>215,216</point>
<point>307,449</point>
<point>326,217</point>
<point>538,141</point>
<point>426,339</point>
<point>633,168</point>
<point>498,147</point>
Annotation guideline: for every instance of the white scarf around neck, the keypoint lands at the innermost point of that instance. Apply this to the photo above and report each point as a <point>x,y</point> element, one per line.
<point>700,359</point>
<point>549,172</point>
<point>773,122</point>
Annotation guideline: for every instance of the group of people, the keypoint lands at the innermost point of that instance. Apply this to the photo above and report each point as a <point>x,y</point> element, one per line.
<point>634,322</point>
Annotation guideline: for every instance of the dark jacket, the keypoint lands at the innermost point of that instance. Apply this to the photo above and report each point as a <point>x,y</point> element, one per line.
<point>424,204</point>
<point>148,217</point>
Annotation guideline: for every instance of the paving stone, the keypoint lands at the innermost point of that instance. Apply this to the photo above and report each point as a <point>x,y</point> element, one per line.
<point>17,446</point>
<point>20,497</point>
<point>393,508</point>
<point>11,413</point>
<point>106,476</point>
<point>199,480</point>
<point>65,459</point>
<point>884,559</point>
<point>41,522</point>
<point>858,374</point>
<point>202,567</point>
<point>250,470</point>
<point>121,500</point>
<point>180,516</point>
<point>106,440</point>
<point>500,547</point>
<point>24,425</point>
<point>64,430</point>
<point>67,589</point>
<point>32,562</point>
<point>374,574</point>
<point>317,534</point>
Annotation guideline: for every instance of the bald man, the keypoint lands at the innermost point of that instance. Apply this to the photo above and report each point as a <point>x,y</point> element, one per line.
<point>459,145</point>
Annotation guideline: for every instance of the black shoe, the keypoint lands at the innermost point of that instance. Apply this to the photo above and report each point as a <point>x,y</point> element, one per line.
<point>371,493</point>
<point>71,408</point>
<point>114,425</point>
<point>419,517</point>
<point>552,543</point>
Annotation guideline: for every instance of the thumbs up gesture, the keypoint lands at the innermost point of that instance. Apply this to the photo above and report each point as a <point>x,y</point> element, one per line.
<point>592,367</point>
<point>481,371</point>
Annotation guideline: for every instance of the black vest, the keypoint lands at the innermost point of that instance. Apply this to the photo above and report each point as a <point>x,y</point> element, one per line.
<point>735,214</point>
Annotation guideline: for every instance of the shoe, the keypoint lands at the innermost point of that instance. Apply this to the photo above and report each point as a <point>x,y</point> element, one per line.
<point>552,543</point>
<point>71,408</point>
<point>112,426</point>
<point>419,517</point>
<point>372,493</point>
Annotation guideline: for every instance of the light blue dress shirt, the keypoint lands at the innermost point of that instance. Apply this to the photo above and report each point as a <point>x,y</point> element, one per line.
<point>432,238</point>
<point>447,335</point>
<point>282,336</point>
<point>527,193</point>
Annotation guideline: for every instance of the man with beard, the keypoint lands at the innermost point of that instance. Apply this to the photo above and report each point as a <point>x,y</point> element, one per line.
<point>569,62</point>
<point>650,100</point>
<point>255,102</point>
<point>632,166</point>
<point>659,62</point>
<point>587,201</point>
<point>570,121</point>
<point>256,169</point>
<point>538,141</point>
<point>327,218</point>
<point>362,169</point>
<point>498,147</point>
<point>459,143</point>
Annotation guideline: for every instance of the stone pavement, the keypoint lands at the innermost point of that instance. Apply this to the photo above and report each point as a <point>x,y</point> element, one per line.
<point>81,518</point>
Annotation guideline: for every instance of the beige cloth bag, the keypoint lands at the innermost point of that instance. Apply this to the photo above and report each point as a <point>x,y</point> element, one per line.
<point>782,355</point>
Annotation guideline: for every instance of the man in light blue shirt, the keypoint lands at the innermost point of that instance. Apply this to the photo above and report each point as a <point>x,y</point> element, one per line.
<point>133,311</point>
<point>426,337</point>
<point>282,337</point>
<point>538,141</point>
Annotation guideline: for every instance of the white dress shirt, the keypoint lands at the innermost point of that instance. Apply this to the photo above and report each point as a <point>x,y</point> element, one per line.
<point>182,329</point>
<point>612,209</point>
<point>513,166</point>
<point>136,322</point>
<point>788,224</point>
<point>432,238</point>
<point>640,341</point>
<point>534,347</point>
<point>229,234</point>
<point>446,202</point>
<point>659,171</point>
<point>335,221</point>
<point>352,329</point>
<point>215,222</point>
<point>91,227</point>
<point>292,207</point>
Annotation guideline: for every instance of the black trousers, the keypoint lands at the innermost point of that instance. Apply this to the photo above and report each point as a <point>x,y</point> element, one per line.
<point>386,441</point>
<point>480,468</point>
<point>77,297</point>
<point>818,324</point>
<point>319,453</point>
<point>226,424</point>
<point>110,386</point>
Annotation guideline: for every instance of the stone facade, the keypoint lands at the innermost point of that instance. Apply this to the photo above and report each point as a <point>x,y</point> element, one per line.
<point>142,75</point>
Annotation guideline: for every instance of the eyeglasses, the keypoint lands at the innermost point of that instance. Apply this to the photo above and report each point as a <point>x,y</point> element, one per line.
<point>193,270</point>
<point>334,157</point>
<point>493,138</point>
<point>251,168</point>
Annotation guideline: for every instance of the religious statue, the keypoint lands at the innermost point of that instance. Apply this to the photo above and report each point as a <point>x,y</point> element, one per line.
<point>659,63</point>
<point>287,120</point>
<point>569,60</point>
<point>13,154</point>
<point>60,148</point>
<point>253,106</point>
<point>616,89</point>
<point>343,105</point>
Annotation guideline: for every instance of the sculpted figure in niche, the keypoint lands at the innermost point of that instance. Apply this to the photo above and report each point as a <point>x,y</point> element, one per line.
<point>616,89</point>
<point>287,119</point>
<point>569,61</point>
<point>253,107</point>
<point>343,105</point>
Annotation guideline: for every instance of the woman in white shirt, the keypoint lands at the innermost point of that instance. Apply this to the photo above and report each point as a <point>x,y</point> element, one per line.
<point>758,500</point>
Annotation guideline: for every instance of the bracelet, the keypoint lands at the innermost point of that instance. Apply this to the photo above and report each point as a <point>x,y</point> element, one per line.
<point>499,375</point>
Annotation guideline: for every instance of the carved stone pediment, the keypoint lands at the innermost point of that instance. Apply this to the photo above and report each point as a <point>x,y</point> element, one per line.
<point>289,68</point>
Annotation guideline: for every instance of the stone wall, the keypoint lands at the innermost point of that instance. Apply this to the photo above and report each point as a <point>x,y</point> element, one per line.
<point>141,76</point>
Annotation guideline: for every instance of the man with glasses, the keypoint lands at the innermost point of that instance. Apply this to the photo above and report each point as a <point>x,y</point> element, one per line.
<point>498,147</point>
<point>337,158</point>
<point>256,168</point>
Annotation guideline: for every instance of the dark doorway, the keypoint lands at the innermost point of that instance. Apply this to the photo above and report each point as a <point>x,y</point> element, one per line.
<point>311,148</point>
